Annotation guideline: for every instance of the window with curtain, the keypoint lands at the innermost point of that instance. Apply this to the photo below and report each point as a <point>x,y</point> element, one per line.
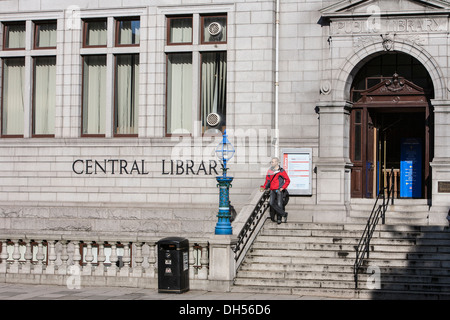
<point>45,35</point>
<point>179,93</point>
<point>191,95</point>
<point>13,96</point>
<point>95,33</point>
<point>94,95</point>
<point>213,85</point>
<point>128,32</point>
<point>180,30</point>
<point>44,96</point>
<point>126,94</point>
<point>14,36</point>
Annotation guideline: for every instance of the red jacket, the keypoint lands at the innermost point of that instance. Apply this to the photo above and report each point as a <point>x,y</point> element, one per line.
<point>276,179</point>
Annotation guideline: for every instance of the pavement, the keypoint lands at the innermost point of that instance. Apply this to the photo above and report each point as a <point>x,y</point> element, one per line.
<point>30,300</point>
<point>13,291</point>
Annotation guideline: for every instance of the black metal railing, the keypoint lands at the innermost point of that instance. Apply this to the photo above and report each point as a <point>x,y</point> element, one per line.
<point>251,225</point>
<point>378,211</point>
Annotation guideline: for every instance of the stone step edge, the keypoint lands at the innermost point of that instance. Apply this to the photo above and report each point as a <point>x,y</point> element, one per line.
<point>343,293</point>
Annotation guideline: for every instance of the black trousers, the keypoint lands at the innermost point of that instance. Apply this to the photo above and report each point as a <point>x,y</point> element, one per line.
<point>276,204</point>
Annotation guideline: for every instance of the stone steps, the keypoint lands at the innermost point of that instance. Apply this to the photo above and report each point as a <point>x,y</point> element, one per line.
<point>310,258</point>
<point>403,211</point>
<point>316,268</point>
<point>379,246</point>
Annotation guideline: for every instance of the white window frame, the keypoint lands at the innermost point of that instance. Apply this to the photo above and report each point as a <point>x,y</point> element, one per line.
<point>111,50</point>
<point>196,48</point>
<point>29,53</point>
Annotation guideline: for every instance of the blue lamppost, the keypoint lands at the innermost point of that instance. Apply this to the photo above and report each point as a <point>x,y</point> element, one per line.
<point>224,152</point>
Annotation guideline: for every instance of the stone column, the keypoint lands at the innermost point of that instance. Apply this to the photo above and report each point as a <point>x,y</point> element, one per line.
<point>221,262</point>
<point>440,164</point>
<point>333,165</point>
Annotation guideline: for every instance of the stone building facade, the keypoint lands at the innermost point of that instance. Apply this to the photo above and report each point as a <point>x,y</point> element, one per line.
<point>289,74</point>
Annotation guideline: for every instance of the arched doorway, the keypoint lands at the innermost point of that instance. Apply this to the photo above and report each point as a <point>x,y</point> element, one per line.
<point>391,127</point>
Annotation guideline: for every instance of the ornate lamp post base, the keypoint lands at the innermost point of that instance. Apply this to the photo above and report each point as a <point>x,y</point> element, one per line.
<point>223,225</point>
<point>224,152</point>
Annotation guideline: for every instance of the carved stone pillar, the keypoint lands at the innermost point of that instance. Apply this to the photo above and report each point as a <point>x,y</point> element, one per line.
<point>333,165</point>
<point>440,164</point>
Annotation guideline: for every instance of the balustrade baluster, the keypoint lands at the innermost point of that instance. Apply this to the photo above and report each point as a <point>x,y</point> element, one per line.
<point>51,258</point>
<point>14,267</point>
<point>89,257</point>
<point>126,258</point>
<point>203,272</point>
<point>385,177</point>
<point>112,269</point>
<point>39,266</point>
<point>101,258</point>
<point>155,264</point>
<point>26,267</point>
<point>4,257</point>
<point>139,259</point>
<point>192,265</point>
<point>62,269</point>
<point>77,255</point>
<point>74,269</point>
<point>396,176</point>
<point>149,270</point>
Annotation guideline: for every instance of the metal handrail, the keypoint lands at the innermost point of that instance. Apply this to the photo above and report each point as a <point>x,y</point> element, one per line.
<point>362,249</point>
<point>250,225</point>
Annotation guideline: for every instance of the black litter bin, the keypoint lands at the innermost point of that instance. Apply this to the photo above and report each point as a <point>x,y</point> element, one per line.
<point>173,265</point>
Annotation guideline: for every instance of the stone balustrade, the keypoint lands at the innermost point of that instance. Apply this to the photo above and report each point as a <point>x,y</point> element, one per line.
<point>80,261</point>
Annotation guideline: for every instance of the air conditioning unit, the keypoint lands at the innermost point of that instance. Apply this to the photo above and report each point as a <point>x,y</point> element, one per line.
<point>215,29</point>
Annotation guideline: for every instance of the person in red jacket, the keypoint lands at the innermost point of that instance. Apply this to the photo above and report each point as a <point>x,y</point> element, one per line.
<point>276,181</point>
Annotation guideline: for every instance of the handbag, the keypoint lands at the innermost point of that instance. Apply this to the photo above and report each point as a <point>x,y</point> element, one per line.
<point>285,195</point>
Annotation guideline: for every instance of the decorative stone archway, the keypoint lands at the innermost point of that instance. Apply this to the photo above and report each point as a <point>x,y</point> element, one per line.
<point>334,165</point>
<point>345,74</point>
<point>351,46</point>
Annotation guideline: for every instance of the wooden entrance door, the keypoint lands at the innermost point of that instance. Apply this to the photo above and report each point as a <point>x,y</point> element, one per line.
<point>371,158</point>
<point>356,151</point>
<point>363,139</point>
<point>390,95</point>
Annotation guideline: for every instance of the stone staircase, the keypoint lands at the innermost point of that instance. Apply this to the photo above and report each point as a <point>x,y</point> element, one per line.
<point>317,259</point>
<point>404,211</point>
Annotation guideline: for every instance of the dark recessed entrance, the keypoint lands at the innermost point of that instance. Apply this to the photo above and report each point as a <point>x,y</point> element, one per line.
<point>391,128</point>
